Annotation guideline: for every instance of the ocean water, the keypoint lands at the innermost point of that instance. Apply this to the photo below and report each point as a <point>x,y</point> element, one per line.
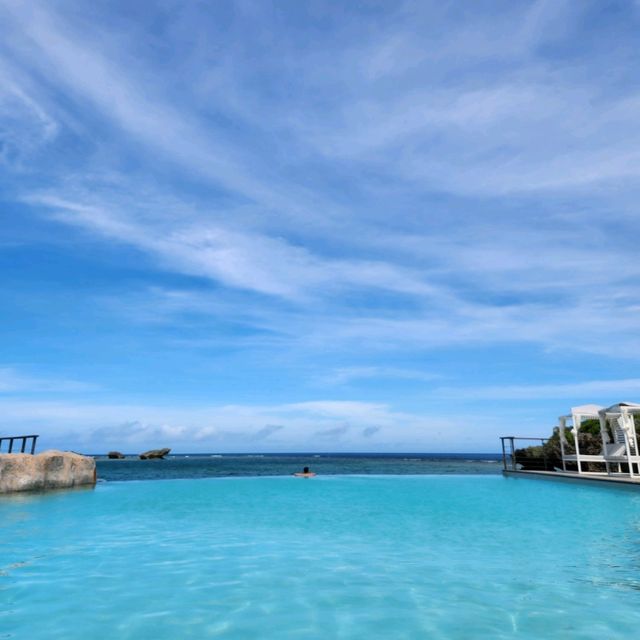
<point>345,557</point>
<point>216,465</point>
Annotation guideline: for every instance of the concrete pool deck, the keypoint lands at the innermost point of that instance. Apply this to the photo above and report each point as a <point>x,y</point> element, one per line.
<point>569,476</point>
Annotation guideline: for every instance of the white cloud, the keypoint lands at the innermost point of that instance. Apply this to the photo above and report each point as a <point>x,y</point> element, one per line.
<point>345,375</point>
<point>25,125</point>
<point>138,105</point>
<point>245,260</point>
<point>348,425</point>
<point>614,390</point>
<point>14,382</point>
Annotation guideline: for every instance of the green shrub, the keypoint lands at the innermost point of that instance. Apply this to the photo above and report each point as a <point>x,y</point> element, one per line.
<point>549,455</point>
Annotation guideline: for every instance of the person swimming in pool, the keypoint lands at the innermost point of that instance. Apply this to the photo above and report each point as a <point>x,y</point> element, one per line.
<point>306,473</point>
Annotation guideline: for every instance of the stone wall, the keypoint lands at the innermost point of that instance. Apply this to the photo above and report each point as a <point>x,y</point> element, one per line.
<point>46,470</point>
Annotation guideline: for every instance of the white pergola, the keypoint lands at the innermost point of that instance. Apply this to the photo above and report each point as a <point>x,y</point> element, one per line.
<point>575,418</point>
<point>619,419</point>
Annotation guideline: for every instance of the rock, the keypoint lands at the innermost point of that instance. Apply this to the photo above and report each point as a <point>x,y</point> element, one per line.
<point>154,453</point>
<point>115,455</point>
<point>47,470</point>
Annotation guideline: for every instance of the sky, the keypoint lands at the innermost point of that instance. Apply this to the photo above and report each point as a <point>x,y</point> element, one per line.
<point>254,226</point>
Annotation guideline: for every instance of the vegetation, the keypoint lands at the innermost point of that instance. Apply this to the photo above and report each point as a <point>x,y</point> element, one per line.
<point>548,456</point>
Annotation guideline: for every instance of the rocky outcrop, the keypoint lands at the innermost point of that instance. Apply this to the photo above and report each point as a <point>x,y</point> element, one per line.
<point>46,470</point>
<point>154,453</point>
<point>115,455</point>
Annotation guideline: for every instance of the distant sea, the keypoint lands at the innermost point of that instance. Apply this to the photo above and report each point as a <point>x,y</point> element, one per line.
<point>207,465</point>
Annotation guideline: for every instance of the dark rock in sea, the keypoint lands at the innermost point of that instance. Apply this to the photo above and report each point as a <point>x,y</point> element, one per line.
<point>115,455</point>
<point>154,453</point>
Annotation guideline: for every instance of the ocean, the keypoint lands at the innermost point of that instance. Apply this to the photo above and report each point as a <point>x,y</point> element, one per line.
<point>210,465</point>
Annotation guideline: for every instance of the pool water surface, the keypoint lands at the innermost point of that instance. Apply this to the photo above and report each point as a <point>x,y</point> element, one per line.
<point>389,557</point>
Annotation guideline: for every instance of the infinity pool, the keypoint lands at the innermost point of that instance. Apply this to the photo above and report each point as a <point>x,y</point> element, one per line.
<point>331,557</point>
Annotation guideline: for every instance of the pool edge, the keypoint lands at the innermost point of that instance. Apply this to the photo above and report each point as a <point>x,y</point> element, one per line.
<point>628,483</point>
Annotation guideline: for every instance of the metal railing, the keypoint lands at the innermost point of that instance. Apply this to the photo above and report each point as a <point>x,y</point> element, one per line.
<point>509,462</point>
<point>23,445</point>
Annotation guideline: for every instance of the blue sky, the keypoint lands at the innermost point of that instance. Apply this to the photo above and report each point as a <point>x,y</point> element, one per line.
<point>294,226</point>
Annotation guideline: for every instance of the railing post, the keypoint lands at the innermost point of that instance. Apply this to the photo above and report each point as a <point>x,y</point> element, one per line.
<point>24,443</point>
<point>544,454</point>
<point>513,453</point>
<point>504,456</point>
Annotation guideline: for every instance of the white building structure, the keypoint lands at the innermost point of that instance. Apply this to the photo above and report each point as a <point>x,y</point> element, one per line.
<point>617,432</point>
<point>573,421</point>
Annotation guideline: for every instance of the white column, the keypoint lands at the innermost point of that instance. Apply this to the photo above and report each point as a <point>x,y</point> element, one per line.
<point>577,419</point>
<point>605,439</point>
<point>627,437</point>
<point>633,438</point>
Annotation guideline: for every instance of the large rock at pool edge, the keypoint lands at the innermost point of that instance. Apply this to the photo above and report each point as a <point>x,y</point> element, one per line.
<point>47,470</point>
<point>154,453</point>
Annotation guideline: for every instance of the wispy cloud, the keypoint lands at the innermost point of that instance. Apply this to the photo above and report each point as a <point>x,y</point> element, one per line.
<point>256,262</point>
<point>345,375</point>
<point>614,390</point>
<point>25,126</point>
<point>14,382</point>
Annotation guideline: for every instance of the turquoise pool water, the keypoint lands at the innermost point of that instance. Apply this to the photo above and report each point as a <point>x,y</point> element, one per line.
<point>332,557</point>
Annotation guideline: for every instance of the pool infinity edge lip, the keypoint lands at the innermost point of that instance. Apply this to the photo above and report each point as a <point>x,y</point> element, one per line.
<point>630,483</point>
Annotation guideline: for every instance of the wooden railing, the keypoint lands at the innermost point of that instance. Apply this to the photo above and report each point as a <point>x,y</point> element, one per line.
<point>21,439</point>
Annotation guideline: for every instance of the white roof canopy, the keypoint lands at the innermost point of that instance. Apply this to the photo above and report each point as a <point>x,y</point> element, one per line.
<point>622,407</point>
<point>584,411</point>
